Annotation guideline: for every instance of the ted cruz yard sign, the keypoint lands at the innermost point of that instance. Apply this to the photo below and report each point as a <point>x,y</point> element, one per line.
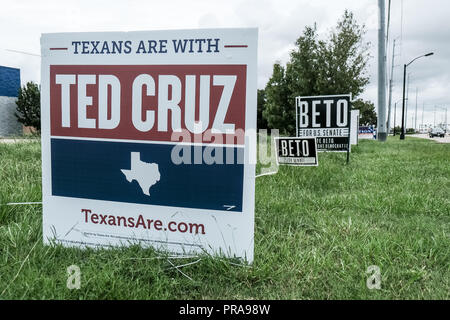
<point>327,118</point>
<point>149,138</point>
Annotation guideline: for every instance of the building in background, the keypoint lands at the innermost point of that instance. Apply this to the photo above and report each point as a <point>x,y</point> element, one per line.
<point>9,89</point>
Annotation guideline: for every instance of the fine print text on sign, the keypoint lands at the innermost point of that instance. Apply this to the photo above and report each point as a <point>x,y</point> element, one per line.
<point>296,151</point>
<point>327,118</point>
<point>146,139</point>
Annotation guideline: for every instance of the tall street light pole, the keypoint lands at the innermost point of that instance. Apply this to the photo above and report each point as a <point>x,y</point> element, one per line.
<point>381,121</point>
<point>415,116</point>
<point>390,89</point>
<point>423,112</point>
<point>445,109</point>
<point>408,81</point>
<point>402,133</point>
<point>434,117</point>
<point>395,111</point>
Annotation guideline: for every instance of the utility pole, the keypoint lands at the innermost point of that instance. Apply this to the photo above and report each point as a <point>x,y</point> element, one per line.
<point>395,113</point>
<point>423,112</point>
<point>446,124</point>
<point>402,132</point>
<point>415,117</point>
<point>434,121</point>
<point>407,102</point>
<point>401,28</point>
<point>381,130</point>
<point>445,130</point>
<point>388,23</point>
<point>390,89</point>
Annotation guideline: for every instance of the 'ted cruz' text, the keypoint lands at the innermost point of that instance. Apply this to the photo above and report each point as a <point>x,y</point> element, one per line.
<point>133,101</point>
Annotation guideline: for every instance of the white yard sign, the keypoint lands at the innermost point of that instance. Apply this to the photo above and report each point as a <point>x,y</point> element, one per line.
<point>150,138</point>
<point>354,127</point>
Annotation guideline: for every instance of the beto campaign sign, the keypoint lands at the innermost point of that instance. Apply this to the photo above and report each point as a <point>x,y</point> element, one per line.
<point>296,151</point>
<point>150,138</point>
<point>327,118</point>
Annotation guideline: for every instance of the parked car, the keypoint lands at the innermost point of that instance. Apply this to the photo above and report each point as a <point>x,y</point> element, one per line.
<point>437,132</point>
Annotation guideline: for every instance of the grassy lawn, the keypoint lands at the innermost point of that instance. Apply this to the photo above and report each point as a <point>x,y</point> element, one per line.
<point>317,230</point>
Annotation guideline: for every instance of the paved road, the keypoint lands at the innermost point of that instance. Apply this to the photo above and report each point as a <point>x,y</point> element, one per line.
<point>425,136</point>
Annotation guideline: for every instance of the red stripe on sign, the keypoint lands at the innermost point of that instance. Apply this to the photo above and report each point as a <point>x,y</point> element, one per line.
<point>58,48</point>
<point>175,90</point>
<point>236,46</point>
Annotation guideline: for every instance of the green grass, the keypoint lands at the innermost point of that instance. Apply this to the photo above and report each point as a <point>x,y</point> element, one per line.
<point>317,230</point>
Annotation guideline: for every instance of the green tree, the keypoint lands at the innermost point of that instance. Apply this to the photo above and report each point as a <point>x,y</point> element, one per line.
<point>366,112</point>
<point>334,65</point>
<point>29,106</point>
<point>302,69</point>
<point>278,112</point>
<point>343,58</point>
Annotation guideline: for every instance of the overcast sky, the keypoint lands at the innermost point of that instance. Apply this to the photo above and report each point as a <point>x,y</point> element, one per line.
<point>426,28</point>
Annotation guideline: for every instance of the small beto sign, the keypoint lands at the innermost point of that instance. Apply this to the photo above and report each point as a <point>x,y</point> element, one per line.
<point>366,132</point>
<point>146,139</point>
<point>327,118</point>
<point>296,151</point>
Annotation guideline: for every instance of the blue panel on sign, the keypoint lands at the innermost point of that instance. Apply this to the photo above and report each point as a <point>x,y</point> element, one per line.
<point>144,173</point>
<point>9,81</point>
